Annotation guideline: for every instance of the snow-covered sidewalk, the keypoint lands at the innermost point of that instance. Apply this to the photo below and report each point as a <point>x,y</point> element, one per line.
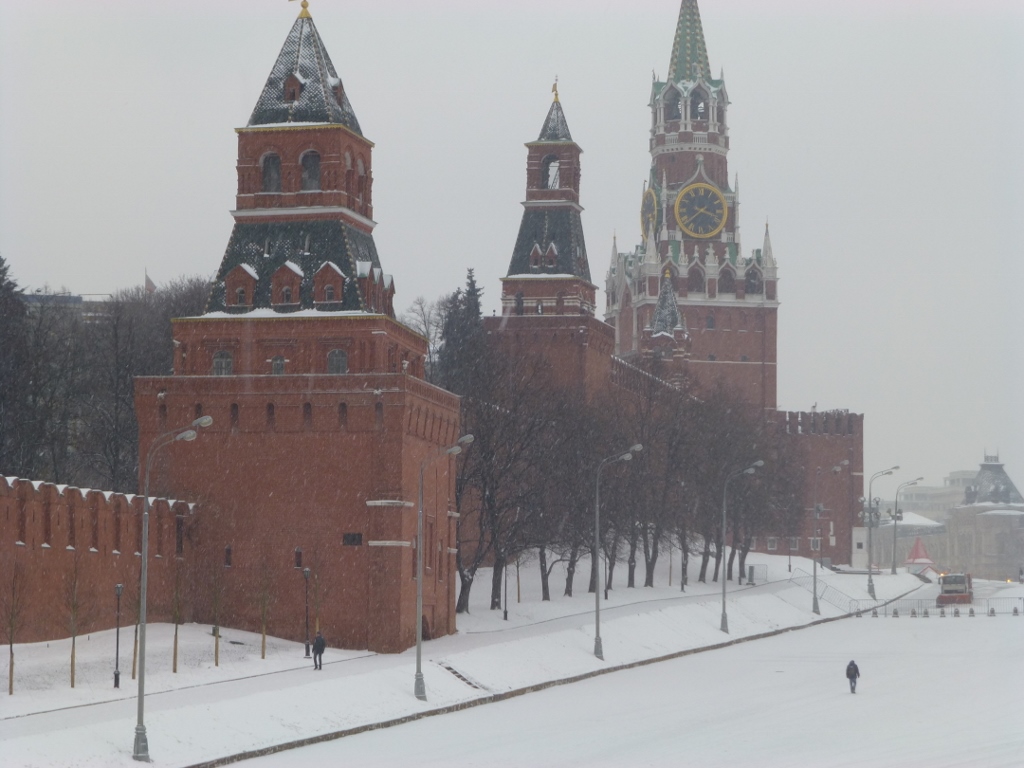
<point>203,712</point>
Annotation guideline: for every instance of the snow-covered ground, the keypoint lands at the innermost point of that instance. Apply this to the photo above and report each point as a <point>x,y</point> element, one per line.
<point>942,689</point>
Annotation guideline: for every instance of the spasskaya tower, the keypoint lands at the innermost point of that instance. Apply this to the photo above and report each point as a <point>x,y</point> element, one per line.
<point>691,253</point>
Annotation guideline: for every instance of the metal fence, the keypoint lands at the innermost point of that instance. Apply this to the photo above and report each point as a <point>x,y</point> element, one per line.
<point>911,607</point>
<point>918,608</point>
<point>826,593</point>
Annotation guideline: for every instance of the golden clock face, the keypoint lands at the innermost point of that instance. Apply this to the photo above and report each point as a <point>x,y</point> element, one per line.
<point>701,210</point>
<point>648,212</point>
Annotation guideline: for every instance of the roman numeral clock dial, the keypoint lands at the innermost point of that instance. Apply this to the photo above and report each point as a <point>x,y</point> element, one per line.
<point>701,211</point>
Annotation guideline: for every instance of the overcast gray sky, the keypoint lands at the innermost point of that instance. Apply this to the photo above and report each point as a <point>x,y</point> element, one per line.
<point>881,139</point>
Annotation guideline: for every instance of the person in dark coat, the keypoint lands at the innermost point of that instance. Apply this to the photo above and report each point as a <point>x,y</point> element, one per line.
<point>852,673</point>
<point>318,650</point>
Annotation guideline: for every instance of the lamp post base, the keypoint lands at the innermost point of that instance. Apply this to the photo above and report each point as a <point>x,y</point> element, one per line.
<point>814,608</point>
<point>871,588</point>
<point>725,623</point>
<point>117,679</point>
<point>598,648</point>
<point>141,751</point>
<point>307,649</point>
<point>419,687</point>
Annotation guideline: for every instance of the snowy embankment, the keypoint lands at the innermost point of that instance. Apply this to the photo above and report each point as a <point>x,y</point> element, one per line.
<point>204,713</point>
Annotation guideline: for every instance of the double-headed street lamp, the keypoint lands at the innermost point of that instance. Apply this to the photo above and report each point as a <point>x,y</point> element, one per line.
<point>419,687</point>
<point>118,589</point>
<point>871,520</point>
<point>725,490</point>
<point>897,516</point>
<point>627,456</point>
<point>817,530</point>
<point>183,434</point>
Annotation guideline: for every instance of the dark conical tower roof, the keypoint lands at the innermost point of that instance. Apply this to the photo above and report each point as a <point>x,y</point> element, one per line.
<point>666,313</point>
<point>555,127</point>
<point>321,97</point>
<point>688,49</point>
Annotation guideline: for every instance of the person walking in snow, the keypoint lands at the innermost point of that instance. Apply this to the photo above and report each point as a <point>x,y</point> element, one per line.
<point>318,650</point>
<point>852,673</point>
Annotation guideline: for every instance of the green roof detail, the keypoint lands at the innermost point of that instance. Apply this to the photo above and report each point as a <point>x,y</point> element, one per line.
<point>688,48</point>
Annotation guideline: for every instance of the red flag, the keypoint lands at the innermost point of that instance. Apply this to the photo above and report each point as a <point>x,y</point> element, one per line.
<point>150,285</point>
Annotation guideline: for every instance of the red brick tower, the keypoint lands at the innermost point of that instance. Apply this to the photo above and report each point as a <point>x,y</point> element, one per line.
<point>320,411</point>
<point>547,298</point>
<point>690,230</point>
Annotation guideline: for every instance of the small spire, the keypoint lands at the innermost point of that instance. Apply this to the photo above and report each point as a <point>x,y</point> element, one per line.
<point>767,257</point>
<point>554,88</point>
<point>304,13</point>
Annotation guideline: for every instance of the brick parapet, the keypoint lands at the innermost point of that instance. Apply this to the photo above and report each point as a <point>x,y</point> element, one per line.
<point>50,530</point>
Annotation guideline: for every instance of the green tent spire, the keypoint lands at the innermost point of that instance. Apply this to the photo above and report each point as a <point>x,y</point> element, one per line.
<point>688,49</point>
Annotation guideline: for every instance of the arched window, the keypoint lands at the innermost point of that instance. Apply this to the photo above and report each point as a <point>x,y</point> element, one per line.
<point>519,303</point>
<point>709,322</point>
<point>240,296</point>
<point>695,280</point>
<point>286,295</point>
<point>292,88</point>
<point>726,281</point>
<point>234,417</point>
<point>672,108</point>
<point>328,293</point>
<point>361,170</point>
<point>271,173</point>
<point>222,363</point>
<point>227,556</point>
<point>342,415</point>
<point>307,416</point>
<point>549,172</point>
<point>298,557</point>
<point>277,366</point>
<point>698,105</point>
<point>271,416</point>
<point>755,284</point>
<point>311,171</point>
<point>337,361</point>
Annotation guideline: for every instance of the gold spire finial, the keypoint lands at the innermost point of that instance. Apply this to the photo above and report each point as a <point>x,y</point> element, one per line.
<point>304,13</point>
<point>554,88</point>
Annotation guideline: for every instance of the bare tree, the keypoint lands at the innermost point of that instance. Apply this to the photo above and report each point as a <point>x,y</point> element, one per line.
<point>266,582</point>
<point>76,609</point>
<point>12,604</point>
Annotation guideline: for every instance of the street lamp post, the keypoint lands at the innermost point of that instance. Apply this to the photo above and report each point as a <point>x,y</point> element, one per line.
<point>118,589</point>
<point>627,456</point>
<point>897,516</point>
<point>871,521</point>
<point>305,576</point>
<point>184,434</point>
<point>419,686</point>
<point>817,530</point>
<point>725,490</point>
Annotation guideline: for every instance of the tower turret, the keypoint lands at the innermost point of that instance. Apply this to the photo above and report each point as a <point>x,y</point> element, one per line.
<point>305,195</point>
<point>549,272</point>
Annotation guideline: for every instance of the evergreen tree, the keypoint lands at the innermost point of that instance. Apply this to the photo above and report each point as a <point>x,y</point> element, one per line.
<point>463,342</point>
<point>12,365</point>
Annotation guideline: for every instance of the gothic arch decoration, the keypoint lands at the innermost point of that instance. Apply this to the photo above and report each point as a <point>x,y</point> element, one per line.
<point>695,279</point>
<point>754,282</point>
<point>673,101</point>
<point>699,104</point>
<point>727,280</point>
